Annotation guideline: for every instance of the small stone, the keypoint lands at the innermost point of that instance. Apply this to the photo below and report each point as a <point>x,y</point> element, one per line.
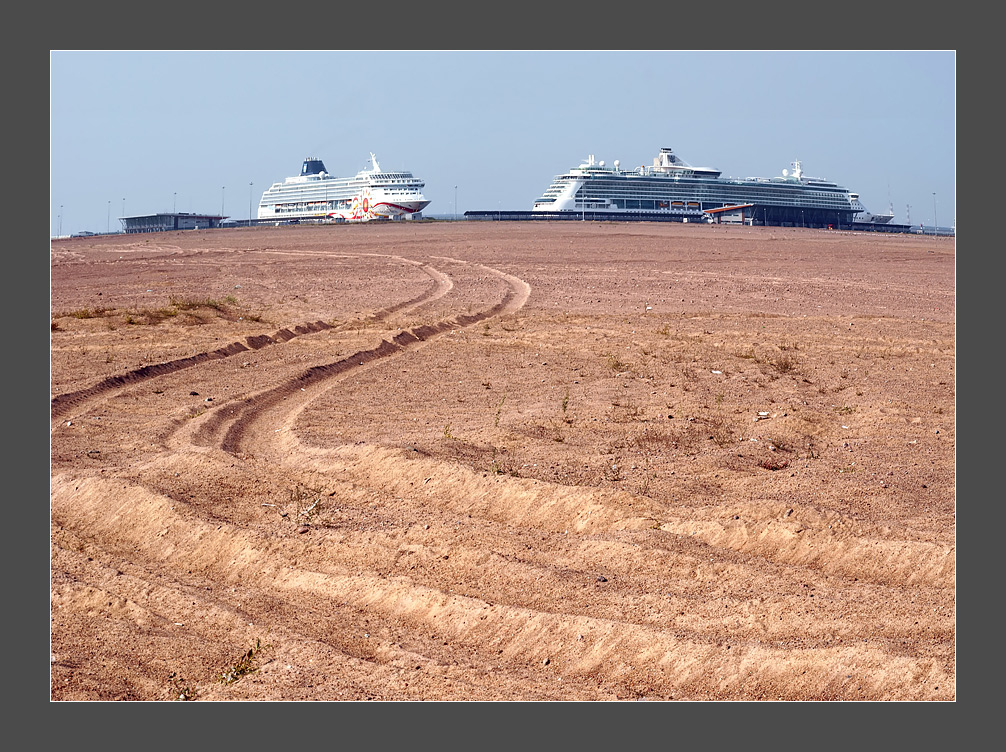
<point>303,529</point>
<point>601,578</point>
<point>545,662</point>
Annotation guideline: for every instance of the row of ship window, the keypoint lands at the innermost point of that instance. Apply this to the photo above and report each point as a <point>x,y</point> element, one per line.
<point>315,206</point>
<point>829,201</point>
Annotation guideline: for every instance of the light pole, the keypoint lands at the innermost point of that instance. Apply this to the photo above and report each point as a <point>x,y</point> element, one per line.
<point>250,202</point>
<point>935,223</point>
<point>222,189</point>
<point>455,203</point>
<point>59,232</point>
<point>108,217</point>
<point>174,202</point>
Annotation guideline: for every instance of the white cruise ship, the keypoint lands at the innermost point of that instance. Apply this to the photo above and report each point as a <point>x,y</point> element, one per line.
<point>314,195</point>
<point>673,189</point>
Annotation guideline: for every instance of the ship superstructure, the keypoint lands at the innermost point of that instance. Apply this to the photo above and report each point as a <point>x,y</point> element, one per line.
<point>315,195</point>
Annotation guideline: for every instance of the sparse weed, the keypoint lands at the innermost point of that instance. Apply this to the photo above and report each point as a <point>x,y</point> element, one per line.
<point>87,313</point>
<point>499,411</point>
<point>183,691</point>
<point>305,503</point>
<point>616,365</point>
<point>613,472</point>
<point>245,664</point>
<point>188,304</point>
<point>785,364</point>
<point>625,411</point>
<point>720,432</point>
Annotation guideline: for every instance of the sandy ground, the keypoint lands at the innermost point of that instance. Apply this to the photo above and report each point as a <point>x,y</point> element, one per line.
<point>517,461</point>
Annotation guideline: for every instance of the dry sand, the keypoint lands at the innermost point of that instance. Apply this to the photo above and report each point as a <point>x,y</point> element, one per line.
<point>503,461</point>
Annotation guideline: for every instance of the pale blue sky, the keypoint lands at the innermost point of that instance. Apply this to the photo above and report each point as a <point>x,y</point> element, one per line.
<point>189,131</point>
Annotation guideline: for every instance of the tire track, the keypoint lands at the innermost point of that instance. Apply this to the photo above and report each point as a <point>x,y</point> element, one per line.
<point>62,404</point>
<point>230,424</point>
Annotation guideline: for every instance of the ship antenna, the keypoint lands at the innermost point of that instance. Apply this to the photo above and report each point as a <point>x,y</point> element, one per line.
<point>377,167</point>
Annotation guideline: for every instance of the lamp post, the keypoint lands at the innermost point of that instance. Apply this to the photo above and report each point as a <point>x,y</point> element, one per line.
<point>108,217</point>
<point>935,223</point>
<point>222,189</point>
<point>250,203</point>
<point>174,202</point>
<point>59,232</point>
<point>455,203</point>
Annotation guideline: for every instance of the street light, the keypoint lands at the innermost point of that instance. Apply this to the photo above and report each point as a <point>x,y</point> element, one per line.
<point>222,189</point>
<point>250,202</point>
<point>108,217</point>
<point>455,203</point>
<point>59,232</point>
<point>935,223</point>
<point>174,202</point>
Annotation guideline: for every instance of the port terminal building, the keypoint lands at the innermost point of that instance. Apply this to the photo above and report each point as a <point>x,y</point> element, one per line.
<point>164,221</point>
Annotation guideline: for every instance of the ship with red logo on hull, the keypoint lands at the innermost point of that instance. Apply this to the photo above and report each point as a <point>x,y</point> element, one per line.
<point>317,196</point>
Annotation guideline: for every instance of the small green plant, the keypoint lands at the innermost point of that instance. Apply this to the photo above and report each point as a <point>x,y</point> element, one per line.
<point>447,432</point>
<point>183,692</point>
<point>846,410</point>
<point>245,664</point>
<point>499,411</point>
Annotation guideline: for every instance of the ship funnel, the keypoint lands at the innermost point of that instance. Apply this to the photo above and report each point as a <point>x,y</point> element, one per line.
<point>312,166</point>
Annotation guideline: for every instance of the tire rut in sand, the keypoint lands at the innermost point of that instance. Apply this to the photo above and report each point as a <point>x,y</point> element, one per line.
<point>62,404</point>
<point>230,424</point>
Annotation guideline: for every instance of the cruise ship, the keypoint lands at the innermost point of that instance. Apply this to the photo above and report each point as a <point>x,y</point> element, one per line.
<point>314,195</point>
<point>671,189</point>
